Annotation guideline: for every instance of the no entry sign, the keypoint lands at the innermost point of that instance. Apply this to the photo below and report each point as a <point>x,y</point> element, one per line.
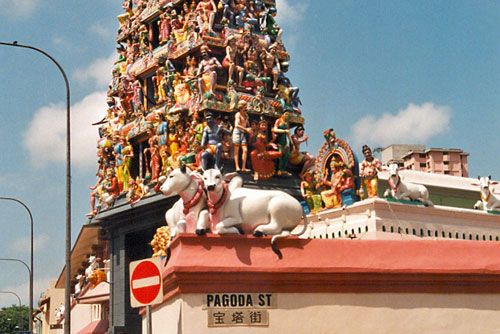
<point>146,284</point>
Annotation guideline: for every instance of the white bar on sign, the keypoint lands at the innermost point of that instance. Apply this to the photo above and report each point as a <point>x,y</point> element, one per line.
<point>145,282</point>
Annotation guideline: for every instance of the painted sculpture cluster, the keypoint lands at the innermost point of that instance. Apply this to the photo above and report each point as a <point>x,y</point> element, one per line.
<point>201,83</point>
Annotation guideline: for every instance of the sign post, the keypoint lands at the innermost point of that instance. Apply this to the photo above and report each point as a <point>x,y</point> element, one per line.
<point>146,285</point>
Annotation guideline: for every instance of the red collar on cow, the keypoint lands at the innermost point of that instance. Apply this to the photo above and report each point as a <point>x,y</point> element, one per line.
<point>215,206</point>
<point>487,198</point>
<point>394,187</point>
<point>196,198</point>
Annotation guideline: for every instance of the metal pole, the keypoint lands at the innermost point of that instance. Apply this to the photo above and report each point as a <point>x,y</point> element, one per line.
<point>148,320</point>
<point>30,270</point>
<point>67,297</point>
<point>19,311</point>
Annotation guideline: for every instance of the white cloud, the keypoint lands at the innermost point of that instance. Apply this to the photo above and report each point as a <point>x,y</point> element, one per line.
<point>23,244</point>
<point>18,8</point>
<point>289,14</point>
<point>98,72</point>
<point>101,30</point>
<point>45,139</point>
<point>415,125</point>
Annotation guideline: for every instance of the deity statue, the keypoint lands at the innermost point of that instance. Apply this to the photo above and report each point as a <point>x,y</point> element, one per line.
<point>281,130</point>
<point>368,171</point>
<point>240,131</point>
<point>207,72</point>
<point>300,158</point>
<point>262,156</point>
<point>211,142</point>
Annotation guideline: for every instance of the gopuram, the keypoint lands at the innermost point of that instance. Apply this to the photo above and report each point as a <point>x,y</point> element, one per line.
<point>200,170</point>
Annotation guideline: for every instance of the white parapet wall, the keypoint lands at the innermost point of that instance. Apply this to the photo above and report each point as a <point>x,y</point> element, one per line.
<point>383,219</point>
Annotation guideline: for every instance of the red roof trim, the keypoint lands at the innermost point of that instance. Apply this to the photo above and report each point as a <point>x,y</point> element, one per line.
<point>247,264</point>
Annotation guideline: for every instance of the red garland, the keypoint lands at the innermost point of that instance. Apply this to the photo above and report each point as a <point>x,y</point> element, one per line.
<point>189,204</point>
<point>394,187</point>
<point>215,206</point>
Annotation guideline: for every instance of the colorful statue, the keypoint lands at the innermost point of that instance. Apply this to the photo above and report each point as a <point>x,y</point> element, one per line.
<point>161,241</point>
<point>341,179</point>
<point>310,190</point>
<point>240,131</point>
<point>300,158</point>
<point>207,72</point>
<point>212,143</point>
<point>271,65</point>
<point>282,132</point>
<point>154,153</point>
<point>368,172</point>
<point>262,158</point>
<point>229,61</point>
<point>205,11</point>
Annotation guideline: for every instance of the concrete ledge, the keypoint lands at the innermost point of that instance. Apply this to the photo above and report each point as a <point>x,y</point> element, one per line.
<point>247,264</point>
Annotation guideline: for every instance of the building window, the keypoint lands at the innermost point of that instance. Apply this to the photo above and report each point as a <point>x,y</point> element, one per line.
<point>333,235</point>
<point>423,164</point>
<point>422,155</point>
<point>446,163</point>
<point>447,172</point>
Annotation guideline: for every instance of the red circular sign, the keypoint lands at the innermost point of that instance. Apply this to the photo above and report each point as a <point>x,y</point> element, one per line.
<point>145,282</point>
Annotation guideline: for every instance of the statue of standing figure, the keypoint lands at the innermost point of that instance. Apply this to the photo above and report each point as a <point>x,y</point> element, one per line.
<point>368,171</point>
<point>211,141</point>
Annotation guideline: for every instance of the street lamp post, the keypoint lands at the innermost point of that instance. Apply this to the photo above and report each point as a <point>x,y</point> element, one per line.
<point>67,292</point>
<point>30,269</point>
<point>19,311</point>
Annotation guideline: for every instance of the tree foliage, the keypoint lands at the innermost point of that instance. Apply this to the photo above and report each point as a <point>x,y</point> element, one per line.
<point>12,317</point>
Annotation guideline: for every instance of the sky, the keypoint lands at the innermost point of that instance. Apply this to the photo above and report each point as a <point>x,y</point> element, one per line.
<point>378,72</point>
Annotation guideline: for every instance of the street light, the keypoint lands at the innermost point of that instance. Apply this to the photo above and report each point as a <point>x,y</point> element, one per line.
<point>19,311</point>
<point>67,292</point>
<point>30,270</point>
<point>30,316</point>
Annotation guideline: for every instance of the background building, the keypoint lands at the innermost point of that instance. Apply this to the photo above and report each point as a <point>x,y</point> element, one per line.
<point>434,160</point>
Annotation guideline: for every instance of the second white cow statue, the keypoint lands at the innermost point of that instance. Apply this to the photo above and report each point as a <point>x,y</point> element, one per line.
<point>405,190</point>
<point>235,209</point>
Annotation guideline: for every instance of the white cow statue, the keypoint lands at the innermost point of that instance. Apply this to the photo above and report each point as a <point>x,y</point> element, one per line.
<point>189,213</point>
<point>236,210</point>
<point>489,201</point>
<point>405,190</point>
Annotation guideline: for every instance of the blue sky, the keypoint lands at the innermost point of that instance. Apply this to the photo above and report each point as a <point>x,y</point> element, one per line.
<point>378,72</point>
